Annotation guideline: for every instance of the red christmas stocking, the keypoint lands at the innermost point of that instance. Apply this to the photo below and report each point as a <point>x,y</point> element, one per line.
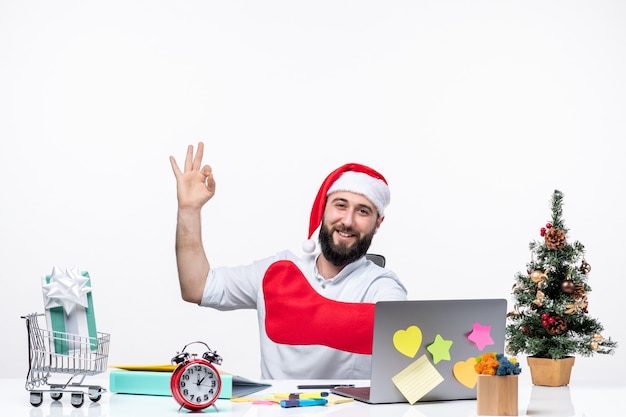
<point>297,315</point>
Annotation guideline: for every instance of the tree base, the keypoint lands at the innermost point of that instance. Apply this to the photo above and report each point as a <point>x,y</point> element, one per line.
<point>550,372</point>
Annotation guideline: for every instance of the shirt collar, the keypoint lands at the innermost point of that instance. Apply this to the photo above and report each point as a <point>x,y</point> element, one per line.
<point>347,270</point>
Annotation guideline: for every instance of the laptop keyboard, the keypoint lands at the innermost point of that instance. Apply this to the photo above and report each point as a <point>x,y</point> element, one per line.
<point>361,392</point>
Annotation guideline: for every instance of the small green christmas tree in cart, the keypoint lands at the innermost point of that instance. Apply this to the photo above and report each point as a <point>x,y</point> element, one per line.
<point>551,317</point>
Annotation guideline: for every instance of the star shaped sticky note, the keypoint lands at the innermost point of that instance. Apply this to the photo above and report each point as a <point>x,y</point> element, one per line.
<point>440,349</point>
<point>481,335</point>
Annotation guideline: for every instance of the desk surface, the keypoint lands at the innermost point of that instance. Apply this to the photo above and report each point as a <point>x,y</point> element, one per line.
<point>578,399</point>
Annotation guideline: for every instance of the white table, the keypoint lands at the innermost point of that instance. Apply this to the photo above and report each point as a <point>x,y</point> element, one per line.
<point>578,399</point>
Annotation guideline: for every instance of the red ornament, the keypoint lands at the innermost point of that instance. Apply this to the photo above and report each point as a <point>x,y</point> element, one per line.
<point>551,320</point>
<point>542,232</point>
<point>548,225</point>
<point>544,316</point>
<point>544,323</point>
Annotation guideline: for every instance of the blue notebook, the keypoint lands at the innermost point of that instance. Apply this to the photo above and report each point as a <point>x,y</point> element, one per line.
<point>140,382</point>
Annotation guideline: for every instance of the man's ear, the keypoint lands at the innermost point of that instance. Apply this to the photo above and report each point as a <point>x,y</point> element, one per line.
<point>378,223</point>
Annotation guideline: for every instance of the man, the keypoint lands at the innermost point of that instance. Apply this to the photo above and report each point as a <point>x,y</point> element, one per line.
<point>333,292</point>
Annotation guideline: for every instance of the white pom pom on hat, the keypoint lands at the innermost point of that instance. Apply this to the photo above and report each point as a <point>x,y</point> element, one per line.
<point>352,177</point>
<point>308,246</point>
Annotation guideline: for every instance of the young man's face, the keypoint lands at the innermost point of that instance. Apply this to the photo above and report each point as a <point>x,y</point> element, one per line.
<point>349,224</point>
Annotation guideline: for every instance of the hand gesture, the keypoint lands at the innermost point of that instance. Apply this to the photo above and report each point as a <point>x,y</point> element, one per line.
<point>195,186</point>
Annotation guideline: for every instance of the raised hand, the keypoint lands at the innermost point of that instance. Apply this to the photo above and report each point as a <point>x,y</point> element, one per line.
<point>196,185</point>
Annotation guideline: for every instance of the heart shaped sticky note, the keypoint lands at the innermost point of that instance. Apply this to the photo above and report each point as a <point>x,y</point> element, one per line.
<point>465,373</point>
<point>408,341</point>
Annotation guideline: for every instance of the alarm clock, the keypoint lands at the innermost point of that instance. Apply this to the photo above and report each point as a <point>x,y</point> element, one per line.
<point>195,382</point>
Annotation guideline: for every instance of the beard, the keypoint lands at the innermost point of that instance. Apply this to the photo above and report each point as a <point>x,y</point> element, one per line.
<point>341,255</point>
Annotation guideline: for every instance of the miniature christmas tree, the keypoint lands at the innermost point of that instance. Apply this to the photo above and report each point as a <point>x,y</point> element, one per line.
<point>551,317</point>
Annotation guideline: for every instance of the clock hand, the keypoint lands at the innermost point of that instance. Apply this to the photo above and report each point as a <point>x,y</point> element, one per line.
<point>206,385</point>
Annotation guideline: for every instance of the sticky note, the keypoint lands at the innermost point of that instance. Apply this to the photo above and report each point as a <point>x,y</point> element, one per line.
<point>440,349</point>
<point>481,336</point>
<point>417,379</point>
<point>408,341</point>
<point>337,399</point>
<point>464,372</point>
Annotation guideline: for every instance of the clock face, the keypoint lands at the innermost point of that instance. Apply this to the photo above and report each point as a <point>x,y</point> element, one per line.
<point>196,385</point>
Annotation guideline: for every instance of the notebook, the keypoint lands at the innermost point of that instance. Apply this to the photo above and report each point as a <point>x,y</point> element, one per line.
<point>426,350</point>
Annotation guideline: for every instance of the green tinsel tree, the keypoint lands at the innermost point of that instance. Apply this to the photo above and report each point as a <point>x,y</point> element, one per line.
<point>551,318</point>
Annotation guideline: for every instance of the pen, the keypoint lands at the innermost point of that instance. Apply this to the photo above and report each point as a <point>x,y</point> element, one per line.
<point>306,402</point>
<point>324,386</point>
<point>299,395</point>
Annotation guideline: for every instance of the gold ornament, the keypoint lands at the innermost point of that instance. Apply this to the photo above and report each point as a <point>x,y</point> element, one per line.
<point>515,311</point>
<point>555,239</point>
<point>595,341</point>
<point>585,268</point>
<point>577,307</point>
<point>539,277</point>
<point>539,300</point>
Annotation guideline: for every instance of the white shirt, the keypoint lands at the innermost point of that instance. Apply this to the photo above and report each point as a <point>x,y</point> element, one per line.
<point>230,288</point>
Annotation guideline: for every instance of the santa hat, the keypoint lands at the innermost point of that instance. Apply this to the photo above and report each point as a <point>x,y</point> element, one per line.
<point>355,178</point>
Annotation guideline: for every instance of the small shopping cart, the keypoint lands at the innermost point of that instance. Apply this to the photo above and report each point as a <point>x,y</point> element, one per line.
<point>52,352</point>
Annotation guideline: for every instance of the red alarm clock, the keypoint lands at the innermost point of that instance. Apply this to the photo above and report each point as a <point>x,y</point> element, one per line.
<point>195,382</point>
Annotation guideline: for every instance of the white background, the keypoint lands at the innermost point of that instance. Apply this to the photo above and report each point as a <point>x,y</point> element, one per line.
<point>475,111</point>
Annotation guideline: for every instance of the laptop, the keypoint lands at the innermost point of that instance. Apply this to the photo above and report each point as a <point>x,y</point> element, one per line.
<point>426,349</point>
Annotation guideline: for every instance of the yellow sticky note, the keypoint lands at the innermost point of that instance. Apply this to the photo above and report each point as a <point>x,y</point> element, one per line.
<point>417,379</point>
<point>337,399</point>
<point>408,341</point>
